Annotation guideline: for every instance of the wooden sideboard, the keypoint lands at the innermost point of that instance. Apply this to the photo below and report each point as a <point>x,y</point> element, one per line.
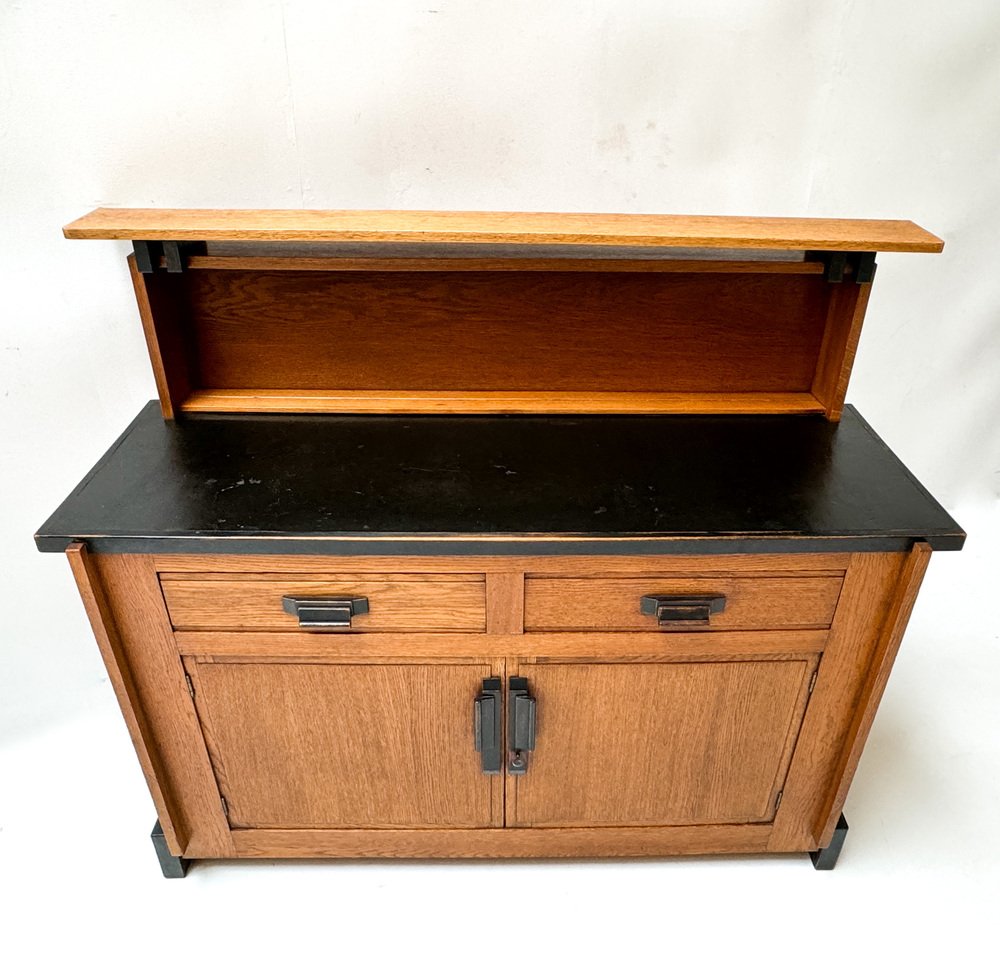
<point>486,535</point>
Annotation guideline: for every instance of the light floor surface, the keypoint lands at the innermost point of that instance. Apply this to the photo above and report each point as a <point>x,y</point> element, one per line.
<point>918,877</point>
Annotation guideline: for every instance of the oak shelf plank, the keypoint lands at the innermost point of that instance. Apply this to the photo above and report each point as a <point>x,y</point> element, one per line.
<point>220,400</point>
<point>479,227</point>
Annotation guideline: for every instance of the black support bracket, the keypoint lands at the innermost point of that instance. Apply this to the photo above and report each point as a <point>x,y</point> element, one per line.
<point>147,255</point>
<point>173,254</point>
<point>172,866</point>
<point>859,265</point>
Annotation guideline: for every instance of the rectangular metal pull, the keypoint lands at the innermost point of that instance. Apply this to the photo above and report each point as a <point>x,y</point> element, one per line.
<point>486,725</point>
<point>520,725</point>
<point>325,614</point>
<point>680,612</point>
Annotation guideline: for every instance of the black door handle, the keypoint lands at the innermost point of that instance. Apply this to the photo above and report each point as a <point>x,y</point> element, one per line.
<point>520,725</point>
<point>486,725</point>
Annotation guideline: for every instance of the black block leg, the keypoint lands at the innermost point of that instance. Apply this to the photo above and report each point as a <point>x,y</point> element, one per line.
<point>826,858</point>
<point>172,866</point>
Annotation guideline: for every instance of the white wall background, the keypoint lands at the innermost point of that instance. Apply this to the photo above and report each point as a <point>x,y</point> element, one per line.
<point>774,107</point>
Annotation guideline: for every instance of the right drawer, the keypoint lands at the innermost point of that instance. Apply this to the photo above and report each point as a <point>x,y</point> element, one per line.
<point>680,604</point>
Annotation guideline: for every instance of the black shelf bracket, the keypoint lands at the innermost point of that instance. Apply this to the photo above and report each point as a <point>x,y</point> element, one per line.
<point>859,265</point>
<point>174,254</point>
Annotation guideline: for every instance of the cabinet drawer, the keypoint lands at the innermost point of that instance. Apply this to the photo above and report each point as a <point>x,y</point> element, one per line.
<point>680,604</point>
<point>402,602</point>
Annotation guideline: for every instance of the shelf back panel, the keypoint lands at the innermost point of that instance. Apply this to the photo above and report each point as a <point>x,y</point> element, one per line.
<point>524,338</point>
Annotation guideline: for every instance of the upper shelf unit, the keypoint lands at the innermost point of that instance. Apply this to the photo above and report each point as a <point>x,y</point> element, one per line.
<point>451,312</point>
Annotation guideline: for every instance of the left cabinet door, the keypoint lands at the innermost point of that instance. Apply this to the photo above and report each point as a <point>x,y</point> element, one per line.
<point>320,745</point>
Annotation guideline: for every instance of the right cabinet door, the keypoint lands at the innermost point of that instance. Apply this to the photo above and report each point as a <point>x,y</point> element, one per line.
<point>688,743</point>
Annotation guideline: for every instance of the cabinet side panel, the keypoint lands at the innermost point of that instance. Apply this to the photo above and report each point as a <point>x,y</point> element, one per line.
<point>825,738</point>
<point>165,330</point>
<point>876,679</point>
<point>134,596</point>
<point>175,830</point>
<point>844,318</point>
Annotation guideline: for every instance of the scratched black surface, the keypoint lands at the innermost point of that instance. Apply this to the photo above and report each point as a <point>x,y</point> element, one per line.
<point>775,482</point>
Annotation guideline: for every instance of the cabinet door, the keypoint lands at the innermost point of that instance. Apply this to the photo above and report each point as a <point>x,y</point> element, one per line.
<point>659,744</point>
<point>306,745</point>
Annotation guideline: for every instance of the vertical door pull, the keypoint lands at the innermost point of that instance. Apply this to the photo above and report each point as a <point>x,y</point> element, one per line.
<point>520,726</point>
<point>486,725</point>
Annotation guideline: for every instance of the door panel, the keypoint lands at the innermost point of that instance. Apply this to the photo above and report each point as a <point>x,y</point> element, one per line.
<point>659,744</point>
<point>345,746</point>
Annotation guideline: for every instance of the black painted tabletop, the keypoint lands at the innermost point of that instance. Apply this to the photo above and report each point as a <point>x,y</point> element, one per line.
<point>623,484</point>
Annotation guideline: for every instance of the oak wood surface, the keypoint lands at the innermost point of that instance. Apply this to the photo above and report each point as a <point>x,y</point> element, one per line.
<point>650,645</point>
<point>612,604</point>
<point>658,744</point>
<point>396,602</point>
<point>120,675</point>
<point>845,316</point>
<point>496,263</point>
<point>136,603</point>
<point>722,565</point>
<point>166,330</point>
<point>345,745</point>
<point>825,739</point>
<point>505,602</point>
<point>503,843</point>
<point>487,331</point>
<point>253,400</point>
<point>876,678</point>
<point>661,230</point>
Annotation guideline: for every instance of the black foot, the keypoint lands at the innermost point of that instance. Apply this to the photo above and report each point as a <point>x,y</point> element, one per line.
<point>826,858</point>
<point>172,866</point>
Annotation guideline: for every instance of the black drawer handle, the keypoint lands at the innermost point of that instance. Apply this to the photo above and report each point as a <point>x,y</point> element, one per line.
<point>324,614</point>
<point>682,611</point>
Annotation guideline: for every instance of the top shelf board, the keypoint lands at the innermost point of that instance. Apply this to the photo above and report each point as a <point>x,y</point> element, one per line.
<point>534,229</point>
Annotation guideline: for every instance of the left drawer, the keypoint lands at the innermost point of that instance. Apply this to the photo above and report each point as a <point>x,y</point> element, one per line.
<point>394,602</point>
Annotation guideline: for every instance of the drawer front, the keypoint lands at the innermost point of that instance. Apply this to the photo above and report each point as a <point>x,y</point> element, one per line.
<point>402,602</point>
<point>679,604</point>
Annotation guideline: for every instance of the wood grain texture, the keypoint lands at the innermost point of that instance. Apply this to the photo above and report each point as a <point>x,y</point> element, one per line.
<point>612,604</point>
<point>875,681</point>
<point>494,263</point>
<point>476,227</point>
<point>505,602</point>
<point>165,327</point>
<point>175,829</point>
<point>350,746</point>
<point>845,317</point>
<point>252,400</point>
<point>722,565</point>
<point>487,331</point>
<point>659,744</point>
<point>133,595</point>
<point>396,603</point>
<point>503,843</point>
<point>825,739</point>
<point>666,646</point>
